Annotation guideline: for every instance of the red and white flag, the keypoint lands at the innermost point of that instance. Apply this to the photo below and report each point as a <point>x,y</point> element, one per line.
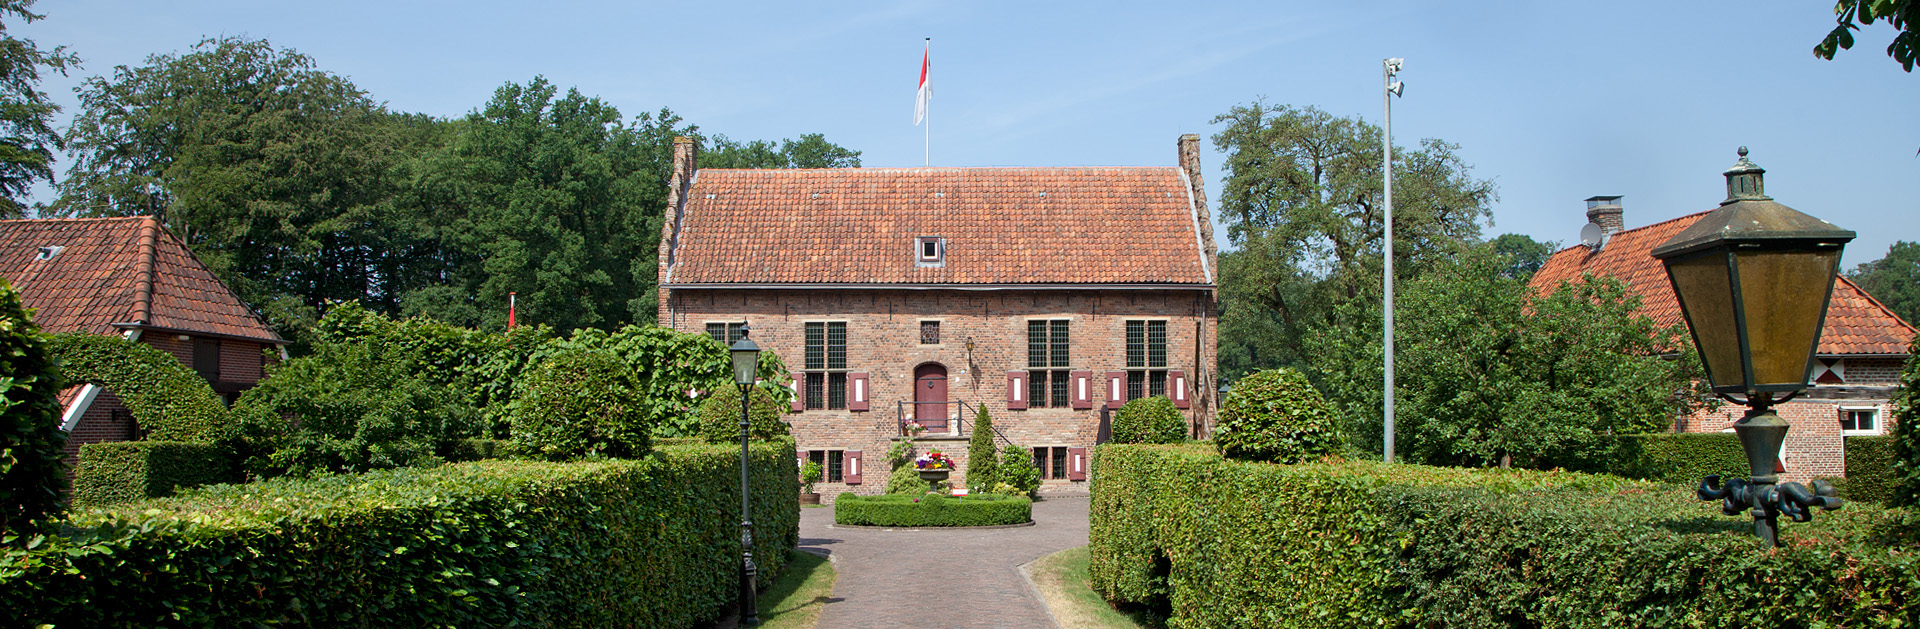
<point>511,307</point>
<point>926,91</point>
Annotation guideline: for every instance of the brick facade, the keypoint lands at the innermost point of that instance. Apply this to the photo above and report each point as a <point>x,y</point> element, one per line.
<point>883,341</point>
<point>242,364</point>
<point>1815,445</point>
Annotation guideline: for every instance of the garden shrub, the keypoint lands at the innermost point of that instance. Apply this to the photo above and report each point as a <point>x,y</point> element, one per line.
<point>906,480</point>
<point>168,401</point>
<point>983,462</point>
<point>1017,469</point>
<point>1869,469</point>
<point>720,415</point>
<point>32,467</point>
<point>349,407</point>
<point>1683,458</point>
<point>636,543</point>
<point>580,403</point>
<point>931,510</point>
<point>1275,415</point>
<point>1149,420</point>
<point>1906,445</point>
<point>464,450</point>
<point>1213,542</point>
<point>125,471</point>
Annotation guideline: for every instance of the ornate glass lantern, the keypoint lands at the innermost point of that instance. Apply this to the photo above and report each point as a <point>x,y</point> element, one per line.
<point>1754,279</point>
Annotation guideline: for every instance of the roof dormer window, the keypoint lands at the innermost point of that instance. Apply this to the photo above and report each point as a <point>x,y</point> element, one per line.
<point>48,252</point>
<point>930,251</point>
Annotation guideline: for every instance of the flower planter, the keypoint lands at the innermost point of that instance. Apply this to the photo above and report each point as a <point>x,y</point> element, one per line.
<point>810,499</point>
<point>934,475</point>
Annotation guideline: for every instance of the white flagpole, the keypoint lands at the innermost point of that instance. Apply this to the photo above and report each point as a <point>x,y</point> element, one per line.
<point>926,154</point>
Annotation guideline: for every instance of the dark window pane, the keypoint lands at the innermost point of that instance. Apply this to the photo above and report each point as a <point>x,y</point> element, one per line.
<point>836,390</point>
<point>816,390</point>
<point>1156,344</point>
<point>1136,385</point>
<point>1059,343</point>
<point>1037,389</point>
<point>206,358</point>
<point>1061,389</point>
<point>734,332</point>
<point>818,456</point>
<point>1136,344</point>
<point>1156,383</point>
<point>1040,461</point>
<point>837,345</point>
<point>1036,343</point>
<point>835,462</point>
<point>718,331</point>
<point>929,332</point>
<point>816,346</point>
<point>1059,463</point>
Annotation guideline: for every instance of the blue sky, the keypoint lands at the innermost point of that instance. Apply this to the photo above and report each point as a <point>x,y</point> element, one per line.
<point>1553,101</point>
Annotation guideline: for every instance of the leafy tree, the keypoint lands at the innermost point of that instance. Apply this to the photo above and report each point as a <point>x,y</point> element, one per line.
<point>1906,444</point>
<point>1490,373</point>
<point>1524,255</point>
<point>810,151</point>
<point>1902,15</point>
<point>1894,279</point>
<point>1302,204</point>
<point>273,171</point>
<point>27,138</point>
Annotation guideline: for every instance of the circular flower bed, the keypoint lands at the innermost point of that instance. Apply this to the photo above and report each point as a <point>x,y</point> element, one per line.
<point>931,510</point>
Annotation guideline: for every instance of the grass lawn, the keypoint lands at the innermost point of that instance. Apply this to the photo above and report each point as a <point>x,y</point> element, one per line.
<point>795,599</point>
<point>1062,580</point>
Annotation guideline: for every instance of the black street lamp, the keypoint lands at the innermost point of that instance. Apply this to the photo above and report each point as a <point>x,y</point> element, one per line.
<point>1754,278</point>
<point>746,362</point>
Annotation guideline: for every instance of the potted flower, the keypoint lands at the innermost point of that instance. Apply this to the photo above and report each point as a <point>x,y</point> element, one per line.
<point>810,474</point>
<point>934,466</point>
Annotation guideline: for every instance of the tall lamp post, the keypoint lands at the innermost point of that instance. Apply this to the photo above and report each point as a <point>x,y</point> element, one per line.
<point>1390,69</point>
<point>1754,278</point>
<point>746,363</point>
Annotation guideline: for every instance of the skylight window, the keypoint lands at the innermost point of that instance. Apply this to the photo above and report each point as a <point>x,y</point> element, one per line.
<point>930,250</point>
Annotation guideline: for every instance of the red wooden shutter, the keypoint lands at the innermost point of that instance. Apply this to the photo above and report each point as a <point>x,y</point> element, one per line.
<point>857,399</point>
<point>1116,389</point>
<point>1082,390</point>
<point>1076,463</point>
<point>1179,381</point>
<point>799,404</point>
<point>850,473</point>
<point>1016,390</point>
<point>802,456</point>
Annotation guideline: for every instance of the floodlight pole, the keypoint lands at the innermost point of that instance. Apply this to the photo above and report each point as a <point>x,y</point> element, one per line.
<point>1391,88</point>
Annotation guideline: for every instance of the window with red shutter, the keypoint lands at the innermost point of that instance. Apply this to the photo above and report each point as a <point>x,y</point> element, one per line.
<point>857,392</point>
<point>1016,390</point>
<point>1177,388</point>
<point>853,467</point>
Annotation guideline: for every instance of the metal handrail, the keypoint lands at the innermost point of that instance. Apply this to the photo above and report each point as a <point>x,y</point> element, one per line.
<point>962,411</point>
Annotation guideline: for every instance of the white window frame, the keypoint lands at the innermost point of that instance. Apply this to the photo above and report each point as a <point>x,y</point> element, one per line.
<point>1879,422</point>
<point>939,257</point>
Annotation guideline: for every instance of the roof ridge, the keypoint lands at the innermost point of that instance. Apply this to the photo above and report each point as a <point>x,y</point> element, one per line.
<point>143,272</point>
<point>937,168</point>
<point>74,219</point>
<point>1682,217</point>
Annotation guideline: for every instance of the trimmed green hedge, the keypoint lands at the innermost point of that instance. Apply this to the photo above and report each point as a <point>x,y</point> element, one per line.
<point>1217,543</point>
<point>647,543</point>
<point>931,510</point>
<point>1869,469</point>
<point>169,401</point>
<point>1683,458</point>
<point>125,471</point>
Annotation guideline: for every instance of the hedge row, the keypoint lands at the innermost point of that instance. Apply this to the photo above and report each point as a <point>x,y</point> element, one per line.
<point>1870,476</point>
<point>931,510</point>
<point>651,542</point>
<point>124,471</point>
<point>1668,457</point>
<point>1214,543</point>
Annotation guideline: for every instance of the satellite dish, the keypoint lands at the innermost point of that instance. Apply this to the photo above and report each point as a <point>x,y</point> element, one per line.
<point>1593,236</point>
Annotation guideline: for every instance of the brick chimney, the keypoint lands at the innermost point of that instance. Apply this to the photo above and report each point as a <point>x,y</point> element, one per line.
<point>686,162</point>
<point>1605,211</point>
<point>1197,183</point>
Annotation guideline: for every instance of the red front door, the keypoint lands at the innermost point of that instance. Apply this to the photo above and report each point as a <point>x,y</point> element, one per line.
<point>930,396</point>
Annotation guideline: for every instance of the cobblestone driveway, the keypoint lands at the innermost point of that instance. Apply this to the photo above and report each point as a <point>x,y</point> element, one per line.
<point>940,578</point>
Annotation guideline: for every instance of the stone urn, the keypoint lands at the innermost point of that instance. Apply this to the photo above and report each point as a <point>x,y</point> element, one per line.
<point>934,476</point>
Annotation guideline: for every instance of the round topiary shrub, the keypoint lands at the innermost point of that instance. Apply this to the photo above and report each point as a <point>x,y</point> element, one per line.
<point>1149,420</point>
<point>1276,415</point>
<point>580,402</point>
<point>720,416</point>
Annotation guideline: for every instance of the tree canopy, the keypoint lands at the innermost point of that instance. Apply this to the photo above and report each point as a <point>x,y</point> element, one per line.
<point>27,137</point>
<point>1850,15</point>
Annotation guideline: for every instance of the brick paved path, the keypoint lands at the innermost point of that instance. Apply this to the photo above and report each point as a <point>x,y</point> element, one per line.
<point>940,578</point>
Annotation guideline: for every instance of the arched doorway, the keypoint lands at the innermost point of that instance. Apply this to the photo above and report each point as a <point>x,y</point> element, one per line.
<point>930,396</point>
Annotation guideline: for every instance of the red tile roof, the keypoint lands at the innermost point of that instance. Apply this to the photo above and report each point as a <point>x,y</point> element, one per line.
<point>1001,226</point>
<point>118,271</point>
<point>1856,323</point>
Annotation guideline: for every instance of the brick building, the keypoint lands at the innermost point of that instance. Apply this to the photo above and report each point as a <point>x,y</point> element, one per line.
<point>1862,346</point>
<point>130,277</point>
<point>1044,295</point>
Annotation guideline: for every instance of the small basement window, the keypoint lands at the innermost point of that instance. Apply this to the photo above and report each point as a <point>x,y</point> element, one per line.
<point>930,250</point>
